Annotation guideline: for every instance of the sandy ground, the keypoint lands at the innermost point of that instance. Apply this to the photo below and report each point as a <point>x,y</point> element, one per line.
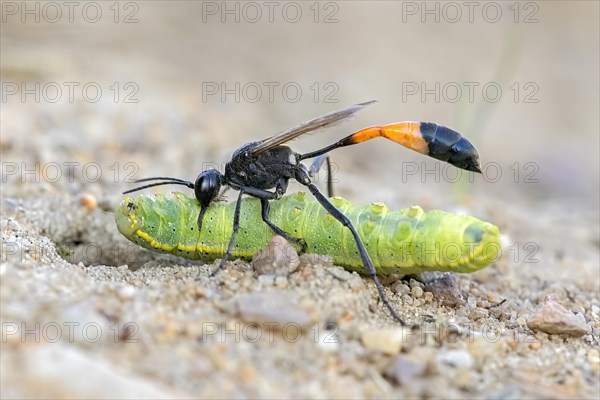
<point>85,314</point>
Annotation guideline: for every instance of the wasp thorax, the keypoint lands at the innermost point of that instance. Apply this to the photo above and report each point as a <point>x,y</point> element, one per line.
<point>207,186</point>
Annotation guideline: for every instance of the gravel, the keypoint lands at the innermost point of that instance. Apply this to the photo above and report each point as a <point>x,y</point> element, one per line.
<point>87,314</point>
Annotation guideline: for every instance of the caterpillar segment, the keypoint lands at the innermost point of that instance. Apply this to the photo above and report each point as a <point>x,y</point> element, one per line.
<point>408,241</point>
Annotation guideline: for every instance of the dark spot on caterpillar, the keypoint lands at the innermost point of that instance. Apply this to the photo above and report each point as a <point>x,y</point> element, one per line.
<point>474,233</point>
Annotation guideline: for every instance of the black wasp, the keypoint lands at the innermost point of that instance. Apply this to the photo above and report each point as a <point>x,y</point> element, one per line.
<point>263,169</point>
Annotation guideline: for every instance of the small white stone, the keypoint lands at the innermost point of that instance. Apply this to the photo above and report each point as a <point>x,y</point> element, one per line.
<point>460,359</point>
<point>388,340</point>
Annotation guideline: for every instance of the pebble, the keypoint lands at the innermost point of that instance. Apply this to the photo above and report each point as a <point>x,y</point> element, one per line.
<point>460,359</point>
<point>413,283</point>
<point>445,289</point>
<point>593,357</point>
<point>551,317</point>
<point>275,306</point>
<point>428,297</point>
<point>388,340</point>
<point>277,258</point>
<point>401,288</point>
<point>404,370</point>
<point>88,201</point>
<point>417,292</point>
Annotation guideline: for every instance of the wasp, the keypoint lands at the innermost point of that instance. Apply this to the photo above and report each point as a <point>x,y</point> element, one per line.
<point>263,169</point>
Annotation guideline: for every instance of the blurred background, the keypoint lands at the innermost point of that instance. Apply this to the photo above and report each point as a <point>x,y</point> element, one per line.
<point>150,88</point>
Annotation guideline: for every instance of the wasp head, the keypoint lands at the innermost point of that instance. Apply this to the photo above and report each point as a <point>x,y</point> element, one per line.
<point>207,186</point>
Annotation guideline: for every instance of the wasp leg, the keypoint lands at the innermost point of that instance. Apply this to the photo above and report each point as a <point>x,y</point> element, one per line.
<point>302,177</point>
<point>236,226</point>
<point>265,216</point>
<point>255,192</point>
<point>265,196</point>
<point>316,165</point>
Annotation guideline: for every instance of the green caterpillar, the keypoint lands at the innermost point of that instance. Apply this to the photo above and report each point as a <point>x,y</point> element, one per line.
<point>408,241</point>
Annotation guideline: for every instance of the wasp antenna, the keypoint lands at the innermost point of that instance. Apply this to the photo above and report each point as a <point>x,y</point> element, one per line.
<point>184,183</point>
<point>161,178</point>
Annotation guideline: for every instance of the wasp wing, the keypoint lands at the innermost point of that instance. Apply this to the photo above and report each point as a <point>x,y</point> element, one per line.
<point>308,126</point>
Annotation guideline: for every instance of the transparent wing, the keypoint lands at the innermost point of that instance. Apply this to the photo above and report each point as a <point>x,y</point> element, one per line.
<point>309,126</point>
